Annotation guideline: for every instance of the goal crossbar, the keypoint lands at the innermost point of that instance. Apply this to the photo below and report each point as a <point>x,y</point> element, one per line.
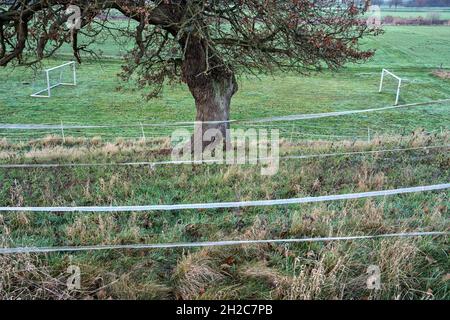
<point>60,83</point>
<point>387,72</point>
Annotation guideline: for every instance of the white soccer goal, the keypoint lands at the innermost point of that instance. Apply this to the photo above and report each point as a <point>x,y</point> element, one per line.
<point>62,75</point>
<point>387,72</point>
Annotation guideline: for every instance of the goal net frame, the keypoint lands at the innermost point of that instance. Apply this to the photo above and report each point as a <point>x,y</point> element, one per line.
<point>387,72</point>
<point>40,93</point>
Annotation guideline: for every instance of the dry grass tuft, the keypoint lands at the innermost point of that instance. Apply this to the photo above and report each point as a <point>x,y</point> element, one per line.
<point>398,265</point>
<point>32,278</point>
<point>371,217</point>
<point>193,274</point>
<point>131,289</point>
<point>367,179</point>
<point>259,229</point>
<point>314,223</point>
<point>4,143</point>
<point>86,229</point>
<point>261,272</point>
<point>319,276</point>
<point>236,173</point>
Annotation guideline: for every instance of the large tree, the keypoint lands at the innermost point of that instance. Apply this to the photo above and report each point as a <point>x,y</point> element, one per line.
<point>204,43</point>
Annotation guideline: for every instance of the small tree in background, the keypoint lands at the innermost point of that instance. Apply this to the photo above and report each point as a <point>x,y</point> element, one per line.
<point>204,43</point>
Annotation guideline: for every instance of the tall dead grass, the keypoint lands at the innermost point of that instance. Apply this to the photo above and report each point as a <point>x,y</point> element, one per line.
<point>194,274</point>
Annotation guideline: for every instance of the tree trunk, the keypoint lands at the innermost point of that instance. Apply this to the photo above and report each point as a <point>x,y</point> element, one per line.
<point>212,86</point>
<point>213,103</point>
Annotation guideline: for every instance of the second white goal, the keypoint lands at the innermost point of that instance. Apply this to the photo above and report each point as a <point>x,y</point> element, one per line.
<point>385,73</point>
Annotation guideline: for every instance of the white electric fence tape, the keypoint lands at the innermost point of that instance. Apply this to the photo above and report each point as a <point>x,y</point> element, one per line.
<point>294,117</point>
<point>342,113</point>
<point>227,205</point>
<point>180,162</point>
<point>27,250</point>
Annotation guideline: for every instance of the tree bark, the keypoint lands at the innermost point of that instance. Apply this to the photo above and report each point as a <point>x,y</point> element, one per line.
<point>212,86</point>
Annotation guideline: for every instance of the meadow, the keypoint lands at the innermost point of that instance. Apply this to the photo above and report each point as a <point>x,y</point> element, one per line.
<point>413,268</point>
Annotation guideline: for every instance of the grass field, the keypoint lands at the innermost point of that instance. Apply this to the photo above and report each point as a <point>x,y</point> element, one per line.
<point>413,53</point>
<point>410,268</point>
<point>413,12</point>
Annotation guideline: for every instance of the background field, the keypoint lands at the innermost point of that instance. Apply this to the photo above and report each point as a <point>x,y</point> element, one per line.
<point>411,268</point>
<point>411,52</point>
<point>412,12</point>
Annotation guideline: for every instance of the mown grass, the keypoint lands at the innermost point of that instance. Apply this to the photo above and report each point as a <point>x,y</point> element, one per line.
<point>414,12</point>
<point>411,268</point>
<point>411,52</point>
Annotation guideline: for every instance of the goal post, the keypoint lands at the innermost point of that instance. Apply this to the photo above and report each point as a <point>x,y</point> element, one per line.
<point>60,81</point>
<point>387,72</point>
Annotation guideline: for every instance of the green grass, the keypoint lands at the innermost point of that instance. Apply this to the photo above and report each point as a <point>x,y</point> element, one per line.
<point>412,12</point>
<point>413,53</point>
<point>411,268</point>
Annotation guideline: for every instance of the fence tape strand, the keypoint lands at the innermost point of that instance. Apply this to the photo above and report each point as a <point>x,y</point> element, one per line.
<point>180,162</point>
<point>27,250</point>
<point>229,205</point>
<point>293,117</point>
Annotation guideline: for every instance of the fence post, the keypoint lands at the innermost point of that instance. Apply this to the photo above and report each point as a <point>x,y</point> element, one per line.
<point>381,82</point>
<point>48,84</point>
<point>143,133</point>
<point>398,92</point>
<point>292,133</point>
<point>62,132</point>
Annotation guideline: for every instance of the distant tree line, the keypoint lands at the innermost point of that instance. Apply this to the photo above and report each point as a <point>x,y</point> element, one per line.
<point>390,3</point>
<point>428,3</point>
<point>412,3</point>
<point>395,3</point>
